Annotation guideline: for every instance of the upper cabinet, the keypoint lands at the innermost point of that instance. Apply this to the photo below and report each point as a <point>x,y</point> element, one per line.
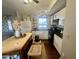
<point>61,16</point>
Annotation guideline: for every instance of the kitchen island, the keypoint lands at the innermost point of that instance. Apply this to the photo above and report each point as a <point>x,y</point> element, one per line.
<point>20,46</point>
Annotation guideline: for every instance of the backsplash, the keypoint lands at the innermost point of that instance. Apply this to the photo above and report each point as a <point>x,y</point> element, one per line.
<point>6,33</point>
<point>4,26</point>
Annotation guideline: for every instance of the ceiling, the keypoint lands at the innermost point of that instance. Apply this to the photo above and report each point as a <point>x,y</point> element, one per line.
<point>10,7</point>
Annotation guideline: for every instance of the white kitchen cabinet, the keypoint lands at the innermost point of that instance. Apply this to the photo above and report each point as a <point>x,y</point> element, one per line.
<point>58,43</point>
<point>42,34</point>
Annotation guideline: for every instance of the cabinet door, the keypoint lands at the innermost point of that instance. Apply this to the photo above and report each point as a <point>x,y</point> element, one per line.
<point>42,34</point>
<point>58,43</point>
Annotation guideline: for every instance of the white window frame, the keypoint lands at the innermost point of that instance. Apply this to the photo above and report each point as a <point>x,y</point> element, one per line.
<point>42,24</point>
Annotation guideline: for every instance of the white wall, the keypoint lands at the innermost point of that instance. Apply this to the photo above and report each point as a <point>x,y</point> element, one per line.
<point>69,41</point>
<point>26,25</point>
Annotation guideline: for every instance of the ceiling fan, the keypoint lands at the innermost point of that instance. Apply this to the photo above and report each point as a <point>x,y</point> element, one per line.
<point>27,1</point>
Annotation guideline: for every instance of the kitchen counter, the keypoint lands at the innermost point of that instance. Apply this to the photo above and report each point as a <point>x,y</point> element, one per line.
<point>56,30</point>
<point>59,34</point>
<point>13,44</point>
<point>35,29</point>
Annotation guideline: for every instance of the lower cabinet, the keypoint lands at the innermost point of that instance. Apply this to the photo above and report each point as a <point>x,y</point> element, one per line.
<point>58,43</point>
<point>42,34</point>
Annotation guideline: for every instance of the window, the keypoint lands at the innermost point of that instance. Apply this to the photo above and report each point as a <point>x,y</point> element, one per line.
<point>10,25</point>
<point>42,23</point>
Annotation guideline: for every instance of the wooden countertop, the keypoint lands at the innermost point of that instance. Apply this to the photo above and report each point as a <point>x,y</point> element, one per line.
<point>13,43</point>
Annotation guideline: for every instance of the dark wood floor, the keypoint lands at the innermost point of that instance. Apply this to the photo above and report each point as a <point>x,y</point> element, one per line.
<point>51,51</point>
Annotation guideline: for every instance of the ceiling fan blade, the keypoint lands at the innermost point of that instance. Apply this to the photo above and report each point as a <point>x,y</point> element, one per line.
<point>36,1</point>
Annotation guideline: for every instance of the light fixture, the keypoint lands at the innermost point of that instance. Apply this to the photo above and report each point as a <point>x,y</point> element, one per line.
<point>26,1</point>
<point>30,0</point>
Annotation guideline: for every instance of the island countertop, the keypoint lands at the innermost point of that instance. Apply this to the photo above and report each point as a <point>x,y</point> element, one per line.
<point>12,43</point>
